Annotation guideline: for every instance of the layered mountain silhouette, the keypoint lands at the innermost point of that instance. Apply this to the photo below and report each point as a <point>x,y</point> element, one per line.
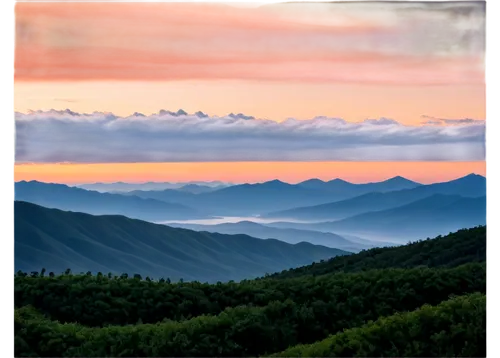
<point>431,216</point>
<point>292,236</point>
<point>197,188</point>
<point>385,215</point>
<point>57,240</point>
<point>243,199</point>
<point>125,187</point>
<point>253,199</point>
<point>75,199</point>
<point>469,186</point>
<point>396,183</point>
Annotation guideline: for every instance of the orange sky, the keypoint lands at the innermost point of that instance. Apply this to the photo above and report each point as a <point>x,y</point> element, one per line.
<point>349,60</point>
<point>293,172</point>
<point>164,40</point>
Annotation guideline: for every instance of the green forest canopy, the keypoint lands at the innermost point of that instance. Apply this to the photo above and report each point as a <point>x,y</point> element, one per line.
<point>85,315</point>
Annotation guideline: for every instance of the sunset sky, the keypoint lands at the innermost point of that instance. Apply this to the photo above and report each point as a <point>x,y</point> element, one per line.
<point>362,91</point>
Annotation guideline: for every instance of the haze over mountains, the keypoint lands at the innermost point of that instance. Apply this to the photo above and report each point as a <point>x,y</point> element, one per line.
<point>336,213</point>
<point>469,186</point>
<point>75,199</point>
<point>124,187</point>
<point>428,217</point>
<point>245,199</point>
<point>339,185</point>
<point>292,236</point>
<point>57,240</point>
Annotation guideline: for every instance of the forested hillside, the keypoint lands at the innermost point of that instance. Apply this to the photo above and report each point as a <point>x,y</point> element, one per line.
<point>457,328</point>
<point>467,245</point>
<point>107,315</point>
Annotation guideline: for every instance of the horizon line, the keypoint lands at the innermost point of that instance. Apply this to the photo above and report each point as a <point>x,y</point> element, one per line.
<point>241,183</point>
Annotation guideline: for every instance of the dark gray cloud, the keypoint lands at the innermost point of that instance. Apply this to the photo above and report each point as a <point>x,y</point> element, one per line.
<point>66,136</point>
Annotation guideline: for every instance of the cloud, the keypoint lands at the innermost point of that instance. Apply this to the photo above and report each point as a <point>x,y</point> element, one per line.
<point>66,136</point>
<point>440,121</point>
<point>376,43</point>
<point>65,100</point>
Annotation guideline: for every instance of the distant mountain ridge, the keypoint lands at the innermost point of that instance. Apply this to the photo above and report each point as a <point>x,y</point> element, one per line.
<point>125,187</point>
<point>469,186</point>
<point>254,199</point>
<point>434,215</point>
<point>270,199</point>
<point>242,199</point>
<point>57,240</point>
<point>395,183</point>
<point>63,197</point>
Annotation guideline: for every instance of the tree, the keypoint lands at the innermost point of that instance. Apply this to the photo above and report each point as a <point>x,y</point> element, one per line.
<point>67,272</point>
<point>42,273</point>
<point>137,276</point>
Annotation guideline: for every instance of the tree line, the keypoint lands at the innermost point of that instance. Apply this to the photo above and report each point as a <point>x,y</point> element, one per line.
<point>300,310</point>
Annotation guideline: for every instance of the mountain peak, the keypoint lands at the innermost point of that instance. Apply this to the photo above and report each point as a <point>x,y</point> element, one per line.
<point>201,114</point>
<point>275,182</point>
<point>473,175</point>
<point>399,178</point>
<point>338,180</point>
<point>470,177</point>
<point>313,180</point>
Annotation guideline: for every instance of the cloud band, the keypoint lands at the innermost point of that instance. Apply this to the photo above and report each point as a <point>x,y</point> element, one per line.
<point>66,136</point>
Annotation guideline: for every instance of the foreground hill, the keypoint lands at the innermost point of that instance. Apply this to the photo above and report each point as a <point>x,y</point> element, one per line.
<point>463,246</point>
<point>372,271</point>
<point>377,311</point>
<point>57,240</point>
<point>376,200</point>
<point>291,236</point>
<point>63,197</point>
<point>265,317</point>
<point>431,216</point>
<point>408,334</point>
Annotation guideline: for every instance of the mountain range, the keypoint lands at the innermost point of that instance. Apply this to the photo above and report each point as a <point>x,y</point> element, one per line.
<point>243,199</point>
<point>385,216</point>
<point>431,216</point>
<point>469,186</point>
<point>57,240</point>
<point>339,185</point>
<point>75,199</point>
<point>124,187</point>
<point>275,195</point>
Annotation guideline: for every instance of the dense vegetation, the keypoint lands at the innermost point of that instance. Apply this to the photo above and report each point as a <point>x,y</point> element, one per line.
<point>97,315</point>
<point>457,328</point>
<point>453,328</point>
<point>98,301</point>
<point>467,245</point>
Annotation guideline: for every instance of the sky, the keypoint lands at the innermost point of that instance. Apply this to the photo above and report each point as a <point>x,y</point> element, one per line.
<point>211,91</point>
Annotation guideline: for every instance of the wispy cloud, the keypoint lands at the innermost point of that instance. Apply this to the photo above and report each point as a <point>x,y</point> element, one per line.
<point>382,43</point>
<point>66,136</point>
<point>68,100</point>
<point>441,121</point>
